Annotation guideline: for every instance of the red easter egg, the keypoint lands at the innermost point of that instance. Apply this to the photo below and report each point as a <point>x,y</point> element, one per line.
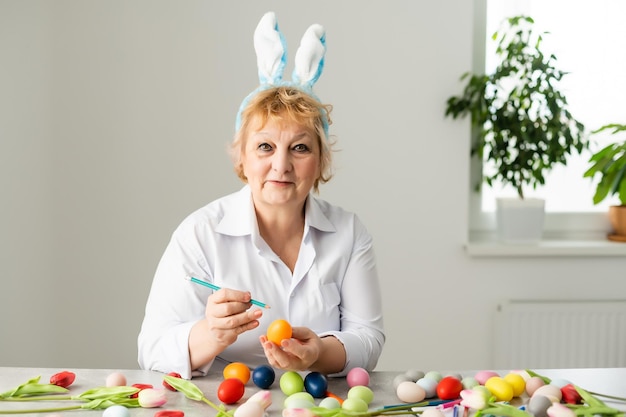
<point>449,388</point>
<point>230,390</point>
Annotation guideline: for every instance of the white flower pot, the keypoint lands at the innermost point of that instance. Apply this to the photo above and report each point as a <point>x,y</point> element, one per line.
<point>520,221</point>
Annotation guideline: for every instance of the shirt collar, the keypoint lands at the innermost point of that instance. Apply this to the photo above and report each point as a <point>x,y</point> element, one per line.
<point>240,220</point>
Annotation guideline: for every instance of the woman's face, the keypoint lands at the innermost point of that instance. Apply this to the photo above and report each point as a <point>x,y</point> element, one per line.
<point>281,162</point>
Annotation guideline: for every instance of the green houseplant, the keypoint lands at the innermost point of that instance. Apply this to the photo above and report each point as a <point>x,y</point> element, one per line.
<point>520,118</point>
<point>609,164</point>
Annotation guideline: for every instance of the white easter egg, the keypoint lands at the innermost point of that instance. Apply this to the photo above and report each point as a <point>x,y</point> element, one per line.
<point>550,391</point>
<point>432,412</point>
<point>330,403</point>
<point>410,392</point>
<point>116,411</point>
<point>429,385</point>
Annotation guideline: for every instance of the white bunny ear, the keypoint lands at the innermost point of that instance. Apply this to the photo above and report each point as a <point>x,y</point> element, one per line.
<point>309,61</point>
<point>271,49</point>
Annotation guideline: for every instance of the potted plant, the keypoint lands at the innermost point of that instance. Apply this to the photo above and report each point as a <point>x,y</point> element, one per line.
<point>610,164</point>
<point>521,123</point>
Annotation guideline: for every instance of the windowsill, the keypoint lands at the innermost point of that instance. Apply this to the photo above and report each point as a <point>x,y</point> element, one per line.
<point>546,248</point>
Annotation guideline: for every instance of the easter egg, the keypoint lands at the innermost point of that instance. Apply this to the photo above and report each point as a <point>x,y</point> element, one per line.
<point>483,376</point>
<point>517,382</point>
<point>532,384</point>
<point>230,390</point>
<point>499,388</point>
<point>357,376</point>
<point>115,379</point>
<point>400,378</point>
<point>362,392</point>
<point>559,382</point>
<point>414,374</point>
<point>263,376</point>
<point>116,411</point>
<point>355,405</point>
<point>299,400</point>
<point>330,403</point>
<point>237,370</point>
<point>301,396</point>
<point>279,330</point>
<point>432,412</point>
<point>250,409</point>
<point>551,391</point>
<point>429,385</point>
<point>538,405</point>
<point>410,392</point>
<point>449,388</point>
<point>469,382</point>
<point>433,375</point>
<point>291,382</point>
<point>316,384</point>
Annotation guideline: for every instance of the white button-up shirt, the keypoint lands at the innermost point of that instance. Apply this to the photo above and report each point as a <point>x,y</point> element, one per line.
<point>333,290</point>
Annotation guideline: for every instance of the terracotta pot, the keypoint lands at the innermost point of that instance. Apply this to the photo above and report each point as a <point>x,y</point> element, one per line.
<point>617,217</point>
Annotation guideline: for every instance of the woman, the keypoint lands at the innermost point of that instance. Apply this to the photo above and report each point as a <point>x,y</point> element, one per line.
<point>312,262</point>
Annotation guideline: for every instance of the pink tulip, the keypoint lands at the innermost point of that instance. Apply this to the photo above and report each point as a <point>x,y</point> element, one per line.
<point>150,398</point>
<point>263,397</point>
<point>297,412</point>
<point>474,398</point>
<point>560,410</point>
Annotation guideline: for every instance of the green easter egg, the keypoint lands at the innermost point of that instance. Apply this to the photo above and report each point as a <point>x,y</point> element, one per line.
<point>362,392</point>
<point>291,382</point>
<point>356,405</point>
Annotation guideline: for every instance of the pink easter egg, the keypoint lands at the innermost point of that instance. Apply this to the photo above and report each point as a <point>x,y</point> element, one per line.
<point>483,376</point>
<point>358,376</point>
<point>532,384</point>
<point>116,379</point>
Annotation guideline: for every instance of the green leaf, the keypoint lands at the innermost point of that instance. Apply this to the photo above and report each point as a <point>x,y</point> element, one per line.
<point>107,393</point>
<point>545,379</point>
<point>588,398</point>
<point>33,387</point>
<point>188,388</point>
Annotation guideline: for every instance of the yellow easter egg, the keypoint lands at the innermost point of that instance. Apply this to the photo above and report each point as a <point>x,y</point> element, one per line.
<point>517,382</point>
<point>499,388</point>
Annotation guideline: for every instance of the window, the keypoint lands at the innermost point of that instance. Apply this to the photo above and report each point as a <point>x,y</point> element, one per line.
<point>589,40</point>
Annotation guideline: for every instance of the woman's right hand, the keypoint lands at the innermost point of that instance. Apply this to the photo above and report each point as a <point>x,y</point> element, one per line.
<point>227,315</point>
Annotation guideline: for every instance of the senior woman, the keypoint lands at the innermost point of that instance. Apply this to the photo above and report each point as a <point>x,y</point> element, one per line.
<point>311,261</point>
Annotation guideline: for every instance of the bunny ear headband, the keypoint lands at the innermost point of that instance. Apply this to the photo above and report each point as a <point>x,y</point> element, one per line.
<point>271,52</point>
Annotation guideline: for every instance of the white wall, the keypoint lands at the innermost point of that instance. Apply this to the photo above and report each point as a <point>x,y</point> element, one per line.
<point>114,117</point>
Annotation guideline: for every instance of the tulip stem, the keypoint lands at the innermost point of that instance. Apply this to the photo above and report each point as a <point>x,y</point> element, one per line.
<point>41,410</point>
<point>39,398</point>
<point>607,396</point>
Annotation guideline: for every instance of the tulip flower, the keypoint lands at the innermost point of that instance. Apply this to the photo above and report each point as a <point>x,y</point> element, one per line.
<point>167,385</point>
<point>33,387</point>
<point>475,398</point>
<point>151,398</point>
<point>191,391</point>
<point>63,379</point>
<point>169,413</point>
<point>570,395</point>
<point>263,397</point>
<point>559,410</point>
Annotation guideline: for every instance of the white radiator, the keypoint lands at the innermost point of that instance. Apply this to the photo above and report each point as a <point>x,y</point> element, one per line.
<point>560,334</point>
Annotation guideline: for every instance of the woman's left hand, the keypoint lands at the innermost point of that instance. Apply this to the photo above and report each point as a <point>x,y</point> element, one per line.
<point>298,353</point>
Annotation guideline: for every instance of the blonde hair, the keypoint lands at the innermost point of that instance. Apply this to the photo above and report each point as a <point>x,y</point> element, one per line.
<point>286,104</point>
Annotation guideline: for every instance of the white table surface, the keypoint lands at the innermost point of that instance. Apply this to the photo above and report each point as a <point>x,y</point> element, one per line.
<point>605,381</point>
